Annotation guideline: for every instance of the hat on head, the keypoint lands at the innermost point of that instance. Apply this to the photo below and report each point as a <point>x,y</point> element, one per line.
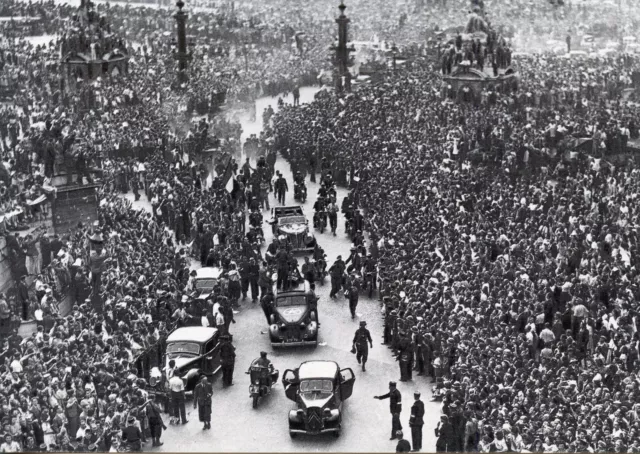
<point>363,323</point>
<point>416,393</point>
<point>392,383</point>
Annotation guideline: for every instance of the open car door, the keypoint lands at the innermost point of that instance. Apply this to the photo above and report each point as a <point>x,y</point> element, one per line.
<point>347,379</point>
<point>291,384</point>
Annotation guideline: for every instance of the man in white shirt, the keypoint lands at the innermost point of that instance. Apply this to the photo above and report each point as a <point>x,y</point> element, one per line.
<point>177,399</point>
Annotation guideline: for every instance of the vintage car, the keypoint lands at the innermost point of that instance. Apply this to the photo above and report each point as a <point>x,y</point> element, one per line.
<point>319,388</point>
<point>291,223</point>
<point>293,322</point>
<point>206,279</point>
<point>196,351</point>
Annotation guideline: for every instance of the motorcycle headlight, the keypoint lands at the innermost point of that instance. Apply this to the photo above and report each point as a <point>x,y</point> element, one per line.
<point>256,381</point>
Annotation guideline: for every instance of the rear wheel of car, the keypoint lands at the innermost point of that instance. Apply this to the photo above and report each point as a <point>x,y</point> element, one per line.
<point>292,435</point>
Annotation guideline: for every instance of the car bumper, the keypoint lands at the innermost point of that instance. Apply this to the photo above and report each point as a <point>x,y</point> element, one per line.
<point>294,343</point>
<point>321,431</point>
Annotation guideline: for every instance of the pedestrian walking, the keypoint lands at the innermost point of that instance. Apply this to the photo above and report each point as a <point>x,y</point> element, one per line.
<point>362,342</point>
<point>281,189</point>
<point>202,401</point>
<point>395,407</point>
<point>227,360</point>
<point>416,422</point>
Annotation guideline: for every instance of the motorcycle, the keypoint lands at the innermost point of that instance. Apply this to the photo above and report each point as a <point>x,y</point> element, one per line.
<point>321,269</point>
<point>320,220</point>
<point>259,386</point>
<point>300,192</point>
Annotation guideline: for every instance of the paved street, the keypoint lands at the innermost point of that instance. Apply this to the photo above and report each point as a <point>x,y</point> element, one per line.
<point>366,423</point>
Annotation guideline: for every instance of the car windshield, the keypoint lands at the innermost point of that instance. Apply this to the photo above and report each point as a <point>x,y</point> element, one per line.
<point>316,389</point>
<point>296,300</point>
<point>183,348</point>
<point>292,220</point>
<point>205,284</point>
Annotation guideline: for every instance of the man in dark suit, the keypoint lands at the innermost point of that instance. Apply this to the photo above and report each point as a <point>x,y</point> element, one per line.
<point>403,445</point>
<point>395,406</point>
<point>416,422</point>
<point>446,438</point>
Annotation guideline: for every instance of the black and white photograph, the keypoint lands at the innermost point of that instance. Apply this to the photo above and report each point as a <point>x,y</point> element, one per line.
<point>320,226</point>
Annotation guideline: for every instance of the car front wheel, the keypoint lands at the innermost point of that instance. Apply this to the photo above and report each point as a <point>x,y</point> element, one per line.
<point>292,435</point>
<point>336,434</point>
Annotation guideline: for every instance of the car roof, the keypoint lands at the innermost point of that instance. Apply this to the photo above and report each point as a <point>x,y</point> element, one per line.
<point>192,334</point>
<point>208,273</point>
<point>287,209</point>
<point>317,369</point>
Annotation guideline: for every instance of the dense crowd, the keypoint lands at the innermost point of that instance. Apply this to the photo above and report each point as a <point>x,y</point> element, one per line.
<point>507,259</point>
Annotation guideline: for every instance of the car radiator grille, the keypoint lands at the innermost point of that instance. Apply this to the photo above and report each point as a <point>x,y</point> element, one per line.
<point>293,333</point>
<point>314,420</point>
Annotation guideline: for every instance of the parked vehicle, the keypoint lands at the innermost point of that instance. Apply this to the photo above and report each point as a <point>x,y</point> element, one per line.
<point>196,351</point>
<point>206,279</point>
<point>319,389</point>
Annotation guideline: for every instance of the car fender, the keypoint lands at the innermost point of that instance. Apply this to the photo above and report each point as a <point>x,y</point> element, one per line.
<point>191,377</point>
<point>293,416</point>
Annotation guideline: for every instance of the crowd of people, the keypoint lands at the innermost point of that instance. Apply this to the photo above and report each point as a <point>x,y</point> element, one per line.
<point>510,279</point>
<point>507,261</point>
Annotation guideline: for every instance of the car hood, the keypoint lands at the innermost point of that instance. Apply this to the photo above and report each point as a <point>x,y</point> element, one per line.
<point>183,361</point>
<point>204,295</point>
<point>314,403</point>
<point>291,314</point>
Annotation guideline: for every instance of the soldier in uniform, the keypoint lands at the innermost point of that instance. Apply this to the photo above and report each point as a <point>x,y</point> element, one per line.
<point>360,340</point>
<point>202,400</point>
<point>227,360</point>
<point>416,422</point>
<point>395,406</point>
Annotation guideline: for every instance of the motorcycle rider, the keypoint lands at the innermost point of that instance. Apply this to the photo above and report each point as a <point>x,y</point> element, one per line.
<point>263,361</point>
<point>298,184</point>
<point>308,271</point>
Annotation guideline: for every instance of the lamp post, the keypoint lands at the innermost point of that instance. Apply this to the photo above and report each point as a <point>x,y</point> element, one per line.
<point>394,53</point>
<point>182,55</point>
<point>342,50</point>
